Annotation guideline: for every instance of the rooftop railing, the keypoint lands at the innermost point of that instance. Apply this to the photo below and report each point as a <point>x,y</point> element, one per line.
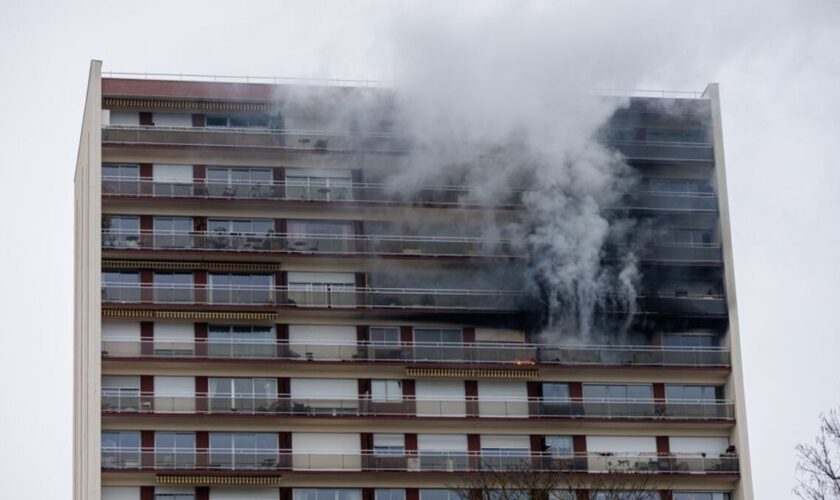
<point>313,296</point>
<point>422,461</point>
<point>270,80</point>
<point>493,353</point>
<point>122,402</point>
<point>293,243</point>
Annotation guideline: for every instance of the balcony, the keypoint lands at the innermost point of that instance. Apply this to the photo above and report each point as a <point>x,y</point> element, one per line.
<point>118,402</point>
<point>695,253</point>
<point>692,305</point>
<point>252,138</point>
<point>666,151</point>
<point>671,201</point>
<point>265,460</point>
<point>305,244</point>
<point>318,191</point>
<point>311,296</point>
<point>490,353</point>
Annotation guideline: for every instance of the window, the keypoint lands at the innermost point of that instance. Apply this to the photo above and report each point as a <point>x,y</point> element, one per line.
<point>240,182</point>
<point>688,340</point>
<point>240,226</point>
<point>619,392</point>
<point>243,450</point>
<point>322,289</point>
<point>120,393</point>
<point>555,392</point>
<point>120,286</point>
<point>172,180</point>
<point>242,394</point>
<point>682,186</point>
<point>329,494</point>
<point>120,179</point>
<point>386,390</point>
<point>121,231</point>
<point>438,335</point>
<point>241,341</point>
<point>684,237</point>
<point>120,449</point>
<point>439,495</point>
<point>389,445</point>
<point>320,235</point>
<point>618,400</point>
<point>238,121</point>
<point>174,496</point>
<point>240,234</point>
<point>241,288</point>
<point>173,232</point>
<point>690,392</point>
<point>559,446</point>
<point>627,495</point>
<point>173,287</point>
<point>388,494</point>
<point>175,450</point>
<point>319,185</point>
<point>696,495</point>
<point>387,335</point>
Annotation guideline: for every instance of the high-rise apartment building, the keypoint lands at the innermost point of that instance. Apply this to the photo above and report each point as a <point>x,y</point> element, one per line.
<point>256,320</point>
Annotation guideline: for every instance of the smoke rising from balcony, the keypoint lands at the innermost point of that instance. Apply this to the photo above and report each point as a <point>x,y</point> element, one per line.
<point>506,101</point>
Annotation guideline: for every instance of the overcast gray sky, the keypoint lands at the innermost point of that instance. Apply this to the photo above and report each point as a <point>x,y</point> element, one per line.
<point>777,63</point>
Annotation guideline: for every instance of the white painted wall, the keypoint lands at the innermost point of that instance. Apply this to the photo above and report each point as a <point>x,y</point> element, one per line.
<point>621,444</point>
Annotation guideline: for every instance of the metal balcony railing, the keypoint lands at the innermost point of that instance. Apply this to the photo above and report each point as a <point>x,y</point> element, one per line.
<point>709,253</point>
<point>303,140</point>
<point>685,304</point>
<point>495,353</point>
<point>671,201</point>
<point>287,405</point>
<point>312,295</point>
<point>318,244</point>
<point>317,190</point>
<point>345,191</point>
<point>643,150</point>
<point>345,296</point>
<point>423,461</point>
<point>380,245</point>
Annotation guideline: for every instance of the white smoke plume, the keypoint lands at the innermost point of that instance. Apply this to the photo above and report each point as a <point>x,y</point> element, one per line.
<point>507,100</point>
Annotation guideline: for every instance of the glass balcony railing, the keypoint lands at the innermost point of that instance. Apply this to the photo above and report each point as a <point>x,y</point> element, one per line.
<point>312,296</point>
<point>423,461</point>
<point>287,405</point>
<point>262,138</point>
<point>671,201</point>
<point>492,353</point>
<point>326,190</point>
<point>349,297</point>
<point>709,304</point>
<point>333,191</point>
<point>708,253</point>
<point>674,151</point>
<point>318,244</point>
